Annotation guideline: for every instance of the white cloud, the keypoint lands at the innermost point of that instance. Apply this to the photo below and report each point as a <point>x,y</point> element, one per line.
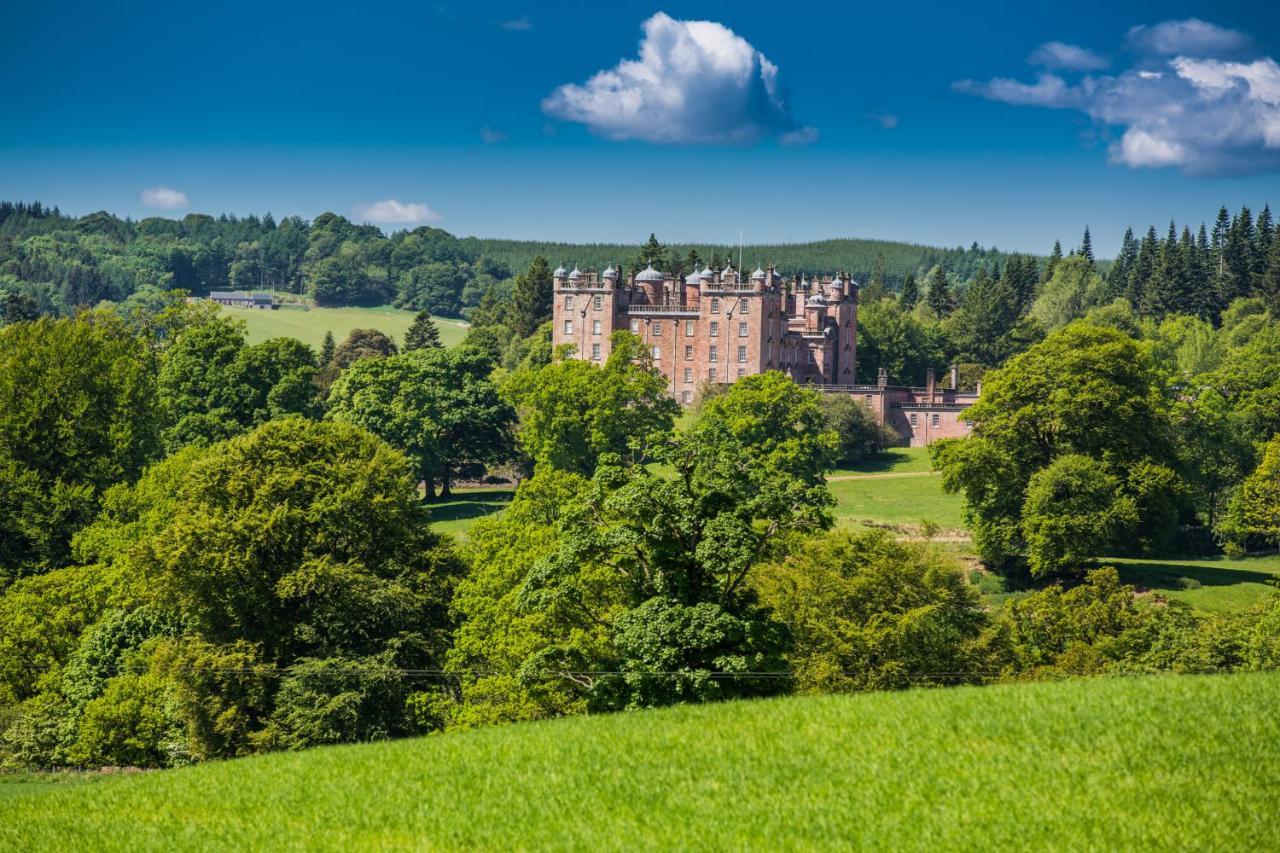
<point>694,82</point>
<point>1192,36</point>
<point>517,25</point>
<point>394,212</point>
<point>888,121</point>
<point>800,136</point>
<point>163,197</point>
<point>1198,113</point>
<point>1067,57</point>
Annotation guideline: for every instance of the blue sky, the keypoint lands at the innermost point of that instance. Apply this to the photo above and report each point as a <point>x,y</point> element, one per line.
<point>925,122</point>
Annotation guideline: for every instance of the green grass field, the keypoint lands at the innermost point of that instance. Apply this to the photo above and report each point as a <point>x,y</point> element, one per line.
<point>1216,584</point>
<point>465,506</point>
<point>1185,762</point>
<point>895,487</point>
<point>309,325</point>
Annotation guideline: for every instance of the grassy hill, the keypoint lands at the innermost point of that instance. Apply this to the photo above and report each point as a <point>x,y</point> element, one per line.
<point>1169,762</point>
<point>309,324</point>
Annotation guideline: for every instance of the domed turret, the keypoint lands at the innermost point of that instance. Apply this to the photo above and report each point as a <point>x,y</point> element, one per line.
<point>649,274</point>
<point>707,274</point>
<point>559,273</point>
<point>575,274</point>
<point>609,272</point>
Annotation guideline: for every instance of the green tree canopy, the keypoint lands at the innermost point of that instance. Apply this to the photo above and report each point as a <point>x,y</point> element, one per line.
<point>572,411</point>
<point>78,412</point>
<point>438,406</point>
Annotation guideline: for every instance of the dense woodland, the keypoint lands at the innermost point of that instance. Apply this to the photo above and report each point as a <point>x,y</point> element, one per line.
<point>210,548</point>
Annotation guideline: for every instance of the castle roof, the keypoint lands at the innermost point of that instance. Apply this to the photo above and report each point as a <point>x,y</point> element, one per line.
<point>609,272</point>
<point>758,275</point>
<point>560,272</point>
<point>576,274</point>
<point>649,274</point>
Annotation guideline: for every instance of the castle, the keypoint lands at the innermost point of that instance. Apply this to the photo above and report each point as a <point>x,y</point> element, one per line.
<point>716,327</point>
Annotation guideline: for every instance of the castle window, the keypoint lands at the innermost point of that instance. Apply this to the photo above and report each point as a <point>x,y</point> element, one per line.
<point>742,305</point>
<point>913,418</point>
<point>711,374</point>
<point>689,328</point>
<point>742,330</point>
<point>868,399</point>
<point>742,354</point>
<point>688,352</point>
<point>688,374</point>
<point>935,420</point>
<point>568,327</point>
<point>657,327</point>
<point>635,326</point>
<point>568,302</point>
<point>686,397</point>
<point>715,329</point>
<point>595,352</point>
<point>715,305</point>
<point>657,353</point>
<point>714,354</point>
<point>742,371</point>
<point>597,302</point>
<point>595,327</point>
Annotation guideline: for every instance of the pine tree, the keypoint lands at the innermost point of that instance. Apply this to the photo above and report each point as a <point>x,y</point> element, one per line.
<point>1143,266</point>
<point>1237,263</point>
<point>1086,247</point>
<point>326,350</point>
<point>422,334</point>
<point>1054,257</point>
<point>652,254</point>
<point>1265,231</point>
<point>940,298</point>
<point>1118,275</point>
<point>531,298</point>
<point>1269,285</point>
<point>1204,298</point>
<point>876,288</point>
<point>910,294</point>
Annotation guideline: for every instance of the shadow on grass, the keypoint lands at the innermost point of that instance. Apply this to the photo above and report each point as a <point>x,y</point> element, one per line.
<point>1170,576</point>
<point>466,505</point>
<point>880,463</point>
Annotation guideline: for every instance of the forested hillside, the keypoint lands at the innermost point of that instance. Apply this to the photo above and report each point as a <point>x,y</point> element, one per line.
<point>853,256</point>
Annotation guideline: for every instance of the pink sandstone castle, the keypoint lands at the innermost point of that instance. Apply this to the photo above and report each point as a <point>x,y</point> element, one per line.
<point>716,327</point>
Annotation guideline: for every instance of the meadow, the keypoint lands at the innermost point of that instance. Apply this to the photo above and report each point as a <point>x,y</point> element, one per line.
<point>309,324</point>
<point>1157,762</point>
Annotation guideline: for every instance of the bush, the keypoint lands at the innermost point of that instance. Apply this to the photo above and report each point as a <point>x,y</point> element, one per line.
<point>868,612</point>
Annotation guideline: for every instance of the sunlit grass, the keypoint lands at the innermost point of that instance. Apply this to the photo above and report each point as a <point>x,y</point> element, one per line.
<point>1175,762</point>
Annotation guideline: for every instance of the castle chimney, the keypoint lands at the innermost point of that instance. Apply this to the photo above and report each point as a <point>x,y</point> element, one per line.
<point>955,377</point>
<point>930,382</point>
<point>882,377</point>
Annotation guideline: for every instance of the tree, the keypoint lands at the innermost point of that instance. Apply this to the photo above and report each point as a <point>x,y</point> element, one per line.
<point>1084,390</point>
<point>891,338</point>
<point>939,296</point>
<point>1052,263</point>
<point>1072,290</point>
<point>856,426</point>
<point>422,334</point>
<point>572,411</point>
<point>78,412</point>
<point>1269,283</point>
<point>214,387</point>
<point>531,298</point>
<point>876,288</point>
<point>438,406</point>
<point>910,294</point>
<point>1254,510</point>
<point>869,612</point>
<point>1086,247</point>
<point>980,328</point>
<point>1074,510</point>
<point>327,348</point>
<point>359,344</point>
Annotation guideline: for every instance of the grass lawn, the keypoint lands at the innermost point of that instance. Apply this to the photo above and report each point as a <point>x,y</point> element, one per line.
<point>309,325</point>
<point>1216,584</point>
<point>465,506</point>
<point>895,460</point>
<point>1185,762</point>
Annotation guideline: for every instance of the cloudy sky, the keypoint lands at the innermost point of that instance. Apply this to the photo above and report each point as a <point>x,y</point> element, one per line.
<point>929,122</point>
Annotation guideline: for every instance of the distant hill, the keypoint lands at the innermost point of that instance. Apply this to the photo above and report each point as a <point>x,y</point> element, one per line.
<point>1173,762</point>
<point>850,255</point>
